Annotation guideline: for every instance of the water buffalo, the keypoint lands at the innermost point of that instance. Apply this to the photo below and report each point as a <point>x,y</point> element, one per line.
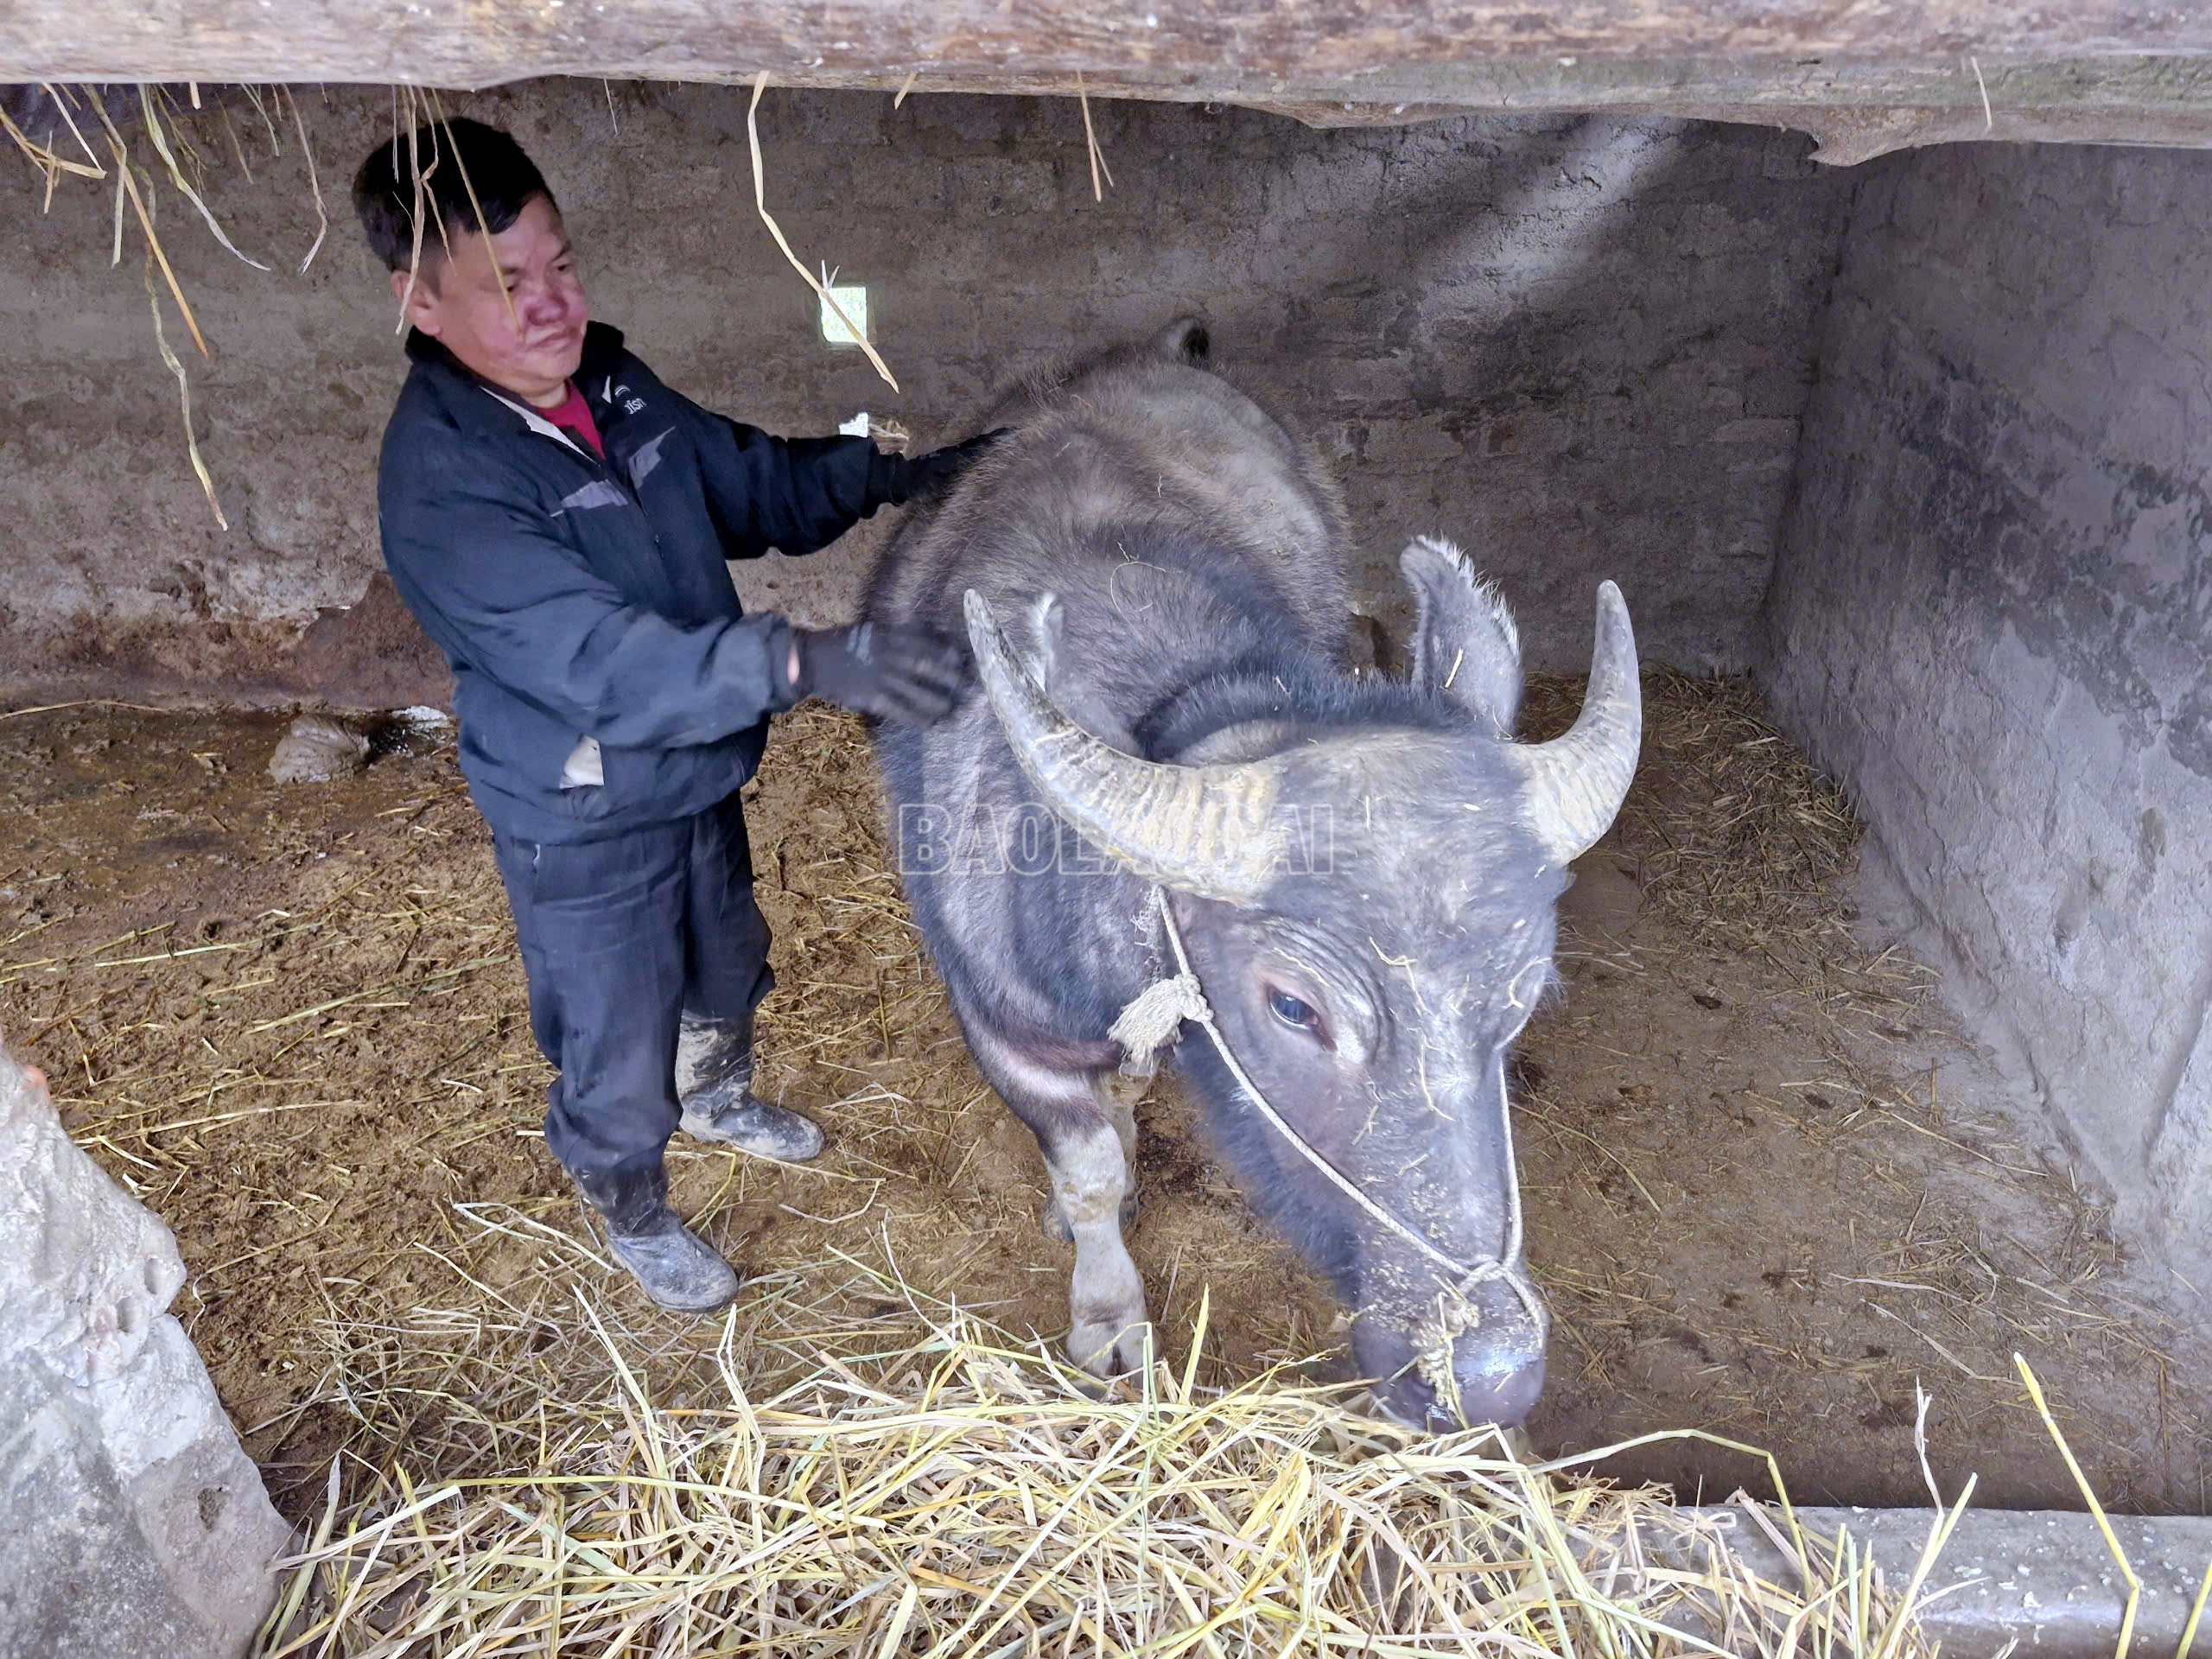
<point>1363,870</point>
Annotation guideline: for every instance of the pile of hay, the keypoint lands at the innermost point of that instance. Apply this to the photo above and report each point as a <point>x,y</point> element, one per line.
<point>950,1492</point>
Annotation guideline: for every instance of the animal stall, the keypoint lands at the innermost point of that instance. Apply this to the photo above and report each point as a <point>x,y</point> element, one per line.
<point>1856,1143</point>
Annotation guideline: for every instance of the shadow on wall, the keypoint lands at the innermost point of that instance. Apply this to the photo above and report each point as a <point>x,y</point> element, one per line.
<point>1580,346</point>
<point>1583,354</point>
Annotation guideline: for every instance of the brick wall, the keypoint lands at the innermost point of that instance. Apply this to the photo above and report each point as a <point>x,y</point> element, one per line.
<point>1579,345</point>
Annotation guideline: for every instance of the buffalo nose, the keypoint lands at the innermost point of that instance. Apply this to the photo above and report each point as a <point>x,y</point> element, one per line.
<point>1501,1397</point>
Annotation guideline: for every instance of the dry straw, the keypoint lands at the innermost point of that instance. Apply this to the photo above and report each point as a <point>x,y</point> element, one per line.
<point>947,1490</point>
<point>1733,833</point>
<point>1100,174</point>
<point>187,169</point>
<point>783,244</point>
<point>2096,1510</point>
<point>514,1475</point>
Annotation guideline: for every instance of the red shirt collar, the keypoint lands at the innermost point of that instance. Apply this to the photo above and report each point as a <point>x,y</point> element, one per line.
<point>573,416</point>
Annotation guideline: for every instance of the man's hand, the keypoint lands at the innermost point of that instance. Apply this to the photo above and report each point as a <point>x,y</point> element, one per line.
<point>933,473</point>
<point>896,674</point>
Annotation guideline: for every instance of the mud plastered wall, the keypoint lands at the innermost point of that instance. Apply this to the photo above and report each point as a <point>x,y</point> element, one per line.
<point>1992,615</point>
<point>1581,346</point>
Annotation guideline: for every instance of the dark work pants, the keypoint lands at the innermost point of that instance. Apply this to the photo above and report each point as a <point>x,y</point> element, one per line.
<point>621,938</point>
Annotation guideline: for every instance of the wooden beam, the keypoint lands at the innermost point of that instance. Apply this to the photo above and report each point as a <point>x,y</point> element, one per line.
<point>1314,43</point>
<point>1865,75</point>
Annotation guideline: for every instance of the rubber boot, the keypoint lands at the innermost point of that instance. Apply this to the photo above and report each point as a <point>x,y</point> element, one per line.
<point>675,1267</point>
<point>719,1104</point>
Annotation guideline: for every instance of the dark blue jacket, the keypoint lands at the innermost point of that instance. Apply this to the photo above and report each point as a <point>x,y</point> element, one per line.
<point>580,600</point>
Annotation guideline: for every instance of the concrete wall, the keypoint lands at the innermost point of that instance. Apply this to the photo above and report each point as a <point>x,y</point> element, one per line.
<point>1579,345</point>
<point>1992,615</point>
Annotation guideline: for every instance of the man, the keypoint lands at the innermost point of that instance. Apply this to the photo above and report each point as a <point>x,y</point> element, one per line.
<point>558,521</point>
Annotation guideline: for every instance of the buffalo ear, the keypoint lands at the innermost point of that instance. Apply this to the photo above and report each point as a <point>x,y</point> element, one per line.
<point>1464,642</point>
<point>1185,341</point>
<point>1047,620</point>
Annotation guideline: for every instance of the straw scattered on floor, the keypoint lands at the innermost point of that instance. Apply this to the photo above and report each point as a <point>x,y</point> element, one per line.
<point>945,1489</point>
<point>292,1019</point>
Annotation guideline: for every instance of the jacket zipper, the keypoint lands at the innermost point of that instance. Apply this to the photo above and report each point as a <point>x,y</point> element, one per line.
<point>540,427</point>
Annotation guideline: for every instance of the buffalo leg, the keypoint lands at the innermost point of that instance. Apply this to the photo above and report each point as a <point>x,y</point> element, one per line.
<point>1082,1135</point>
<point>1119,1094</point>
<point>1107,1327</point>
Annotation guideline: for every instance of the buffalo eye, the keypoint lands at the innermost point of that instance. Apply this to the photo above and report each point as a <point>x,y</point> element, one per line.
<point>1298,1016</point>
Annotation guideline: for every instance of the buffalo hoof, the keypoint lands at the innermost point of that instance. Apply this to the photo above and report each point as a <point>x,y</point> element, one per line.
<point>1111,1347</point>
<point>1054,1225</point>
<point>1109,1330</point>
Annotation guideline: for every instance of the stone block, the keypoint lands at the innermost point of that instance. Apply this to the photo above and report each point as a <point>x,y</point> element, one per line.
<point>136,1523</point>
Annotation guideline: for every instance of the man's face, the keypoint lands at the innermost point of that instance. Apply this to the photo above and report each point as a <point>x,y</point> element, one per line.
<point>530,352</point>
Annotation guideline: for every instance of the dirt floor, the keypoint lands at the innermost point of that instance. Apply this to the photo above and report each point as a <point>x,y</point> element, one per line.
<point>1768,1192</point>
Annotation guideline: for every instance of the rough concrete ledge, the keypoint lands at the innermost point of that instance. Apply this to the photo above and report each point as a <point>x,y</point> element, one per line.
<point>2042,1578</point>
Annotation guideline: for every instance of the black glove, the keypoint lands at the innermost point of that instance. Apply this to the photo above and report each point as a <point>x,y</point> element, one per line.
<point>900,674</point>
<point>898,478</point>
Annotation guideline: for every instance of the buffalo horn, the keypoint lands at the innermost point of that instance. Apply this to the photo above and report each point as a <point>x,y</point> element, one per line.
<point>1209,831</point>
<point>1576,782</point>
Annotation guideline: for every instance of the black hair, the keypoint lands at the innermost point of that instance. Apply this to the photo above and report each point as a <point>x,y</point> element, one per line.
<point>451,157</point>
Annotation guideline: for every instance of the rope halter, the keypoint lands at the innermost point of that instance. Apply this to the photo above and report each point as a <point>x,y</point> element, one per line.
<point>1150,1023</point>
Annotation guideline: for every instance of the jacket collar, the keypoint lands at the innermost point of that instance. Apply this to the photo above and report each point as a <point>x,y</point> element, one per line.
<point>536,422</point>
<point>475,402</point>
